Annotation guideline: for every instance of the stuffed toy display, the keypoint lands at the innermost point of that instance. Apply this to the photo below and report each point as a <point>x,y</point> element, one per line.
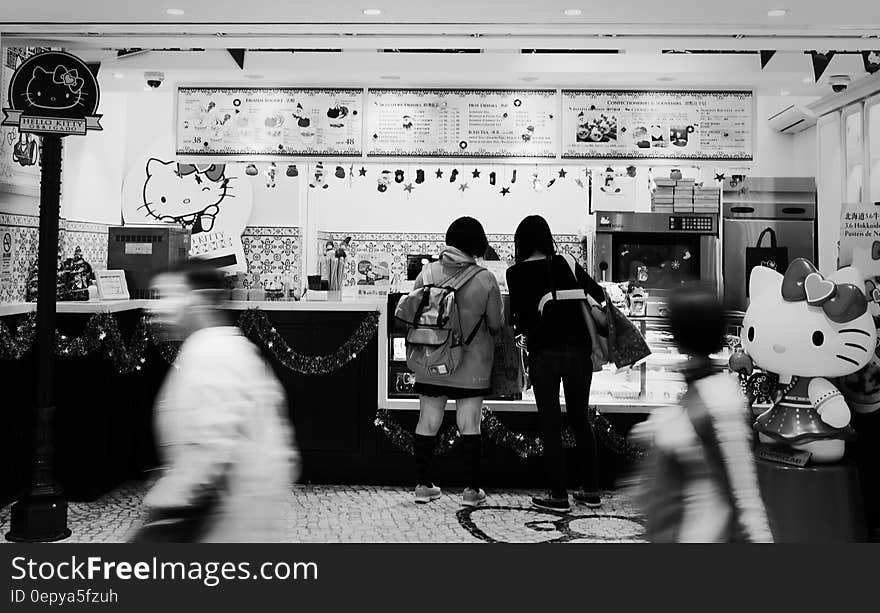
<point>807,330</point>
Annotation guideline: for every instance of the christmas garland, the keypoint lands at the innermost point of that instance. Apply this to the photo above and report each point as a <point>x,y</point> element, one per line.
<point>522,445</point>
<point>102,332</point>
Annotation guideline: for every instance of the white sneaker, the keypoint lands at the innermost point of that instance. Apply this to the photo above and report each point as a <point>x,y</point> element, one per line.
<point>427,493</point>
<point>473,498</point>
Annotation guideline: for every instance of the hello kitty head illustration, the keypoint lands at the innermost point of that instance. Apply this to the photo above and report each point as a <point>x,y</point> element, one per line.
<point>185,194</point>
<point>61,89</point>
<point>806,325</point>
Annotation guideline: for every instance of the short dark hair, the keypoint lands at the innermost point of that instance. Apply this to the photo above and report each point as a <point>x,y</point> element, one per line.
<point>533,234</point>
<point>467,234</point>
<point>200,274</point>
<point>696,319</point>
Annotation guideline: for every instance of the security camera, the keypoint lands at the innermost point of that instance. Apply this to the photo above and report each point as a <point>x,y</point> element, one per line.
<point>154,79</point>
<point>839,82</point>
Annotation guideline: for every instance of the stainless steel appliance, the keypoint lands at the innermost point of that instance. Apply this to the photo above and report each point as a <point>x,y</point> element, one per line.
<point>786,205</point>
<point>656,252</point>
<point>143,252</point>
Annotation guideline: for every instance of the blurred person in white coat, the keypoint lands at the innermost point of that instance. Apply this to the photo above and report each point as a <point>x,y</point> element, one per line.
<point>221,423</point>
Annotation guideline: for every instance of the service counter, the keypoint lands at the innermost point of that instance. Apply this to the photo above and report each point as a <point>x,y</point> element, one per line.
<point>103,420</point>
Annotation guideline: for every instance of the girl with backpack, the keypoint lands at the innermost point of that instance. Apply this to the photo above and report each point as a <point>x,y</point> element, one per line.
<point>559,349</point>
<point>472,296</point>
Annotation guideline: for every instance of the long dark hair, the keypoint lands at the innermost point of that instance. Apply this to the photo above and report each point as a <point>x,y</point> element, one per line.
<point>533,234</point>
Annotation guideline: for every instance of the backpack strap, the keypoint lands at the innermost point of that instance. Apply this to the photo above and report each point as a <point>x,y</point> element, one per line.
<point>461,278</point>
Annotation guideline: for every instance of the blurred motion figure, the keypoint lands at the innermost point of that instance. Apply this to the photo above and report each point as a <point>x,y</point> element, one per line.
<point>701,484</point>
<point>221,423</point>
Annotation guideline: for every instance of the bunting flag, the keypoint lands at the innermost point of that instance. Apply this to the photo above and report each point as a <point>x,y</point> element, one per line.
<point>821,59</point>
<point>766,56</point>
<point>238,56</point>
<point>871,59</point>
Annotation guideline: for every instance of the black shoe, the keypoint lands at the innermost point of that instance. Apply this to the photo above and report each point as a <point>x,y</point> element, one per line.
<point>590,499</point>
<point>551,504</point>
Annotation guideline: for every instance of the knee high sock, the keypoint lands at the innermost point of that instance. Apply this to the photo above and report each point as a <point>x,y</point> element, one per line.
<point>472,448</point>
<point>423,449</point>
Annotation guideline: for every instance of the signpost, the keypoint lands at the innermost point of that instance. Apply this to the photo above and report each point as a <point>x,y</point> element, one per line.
<point>52,94</point>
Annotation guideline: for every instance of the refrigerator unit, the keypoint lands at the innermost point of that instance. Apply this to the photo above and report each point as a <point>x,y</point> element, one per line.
<point>787,206</point>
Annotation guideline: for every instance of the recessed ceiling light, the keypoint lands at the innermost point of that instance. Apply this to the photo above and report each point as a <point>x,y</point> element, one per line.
<point>253,76</point>
<point>390,77</point>
<point>175,12</point>
<point>785,92</point>
<point>372,12</point>
<point>573,12</point>
<point>777,12</point>
<point>528,78</point>
<point>118,75</point>
<point>666,79</point>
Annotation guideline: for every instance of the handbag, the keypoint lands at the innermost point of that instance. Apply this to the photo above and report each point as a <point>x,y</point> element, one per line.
<point>594,315</point>
<point>507,372</point>
<point>774,257</point>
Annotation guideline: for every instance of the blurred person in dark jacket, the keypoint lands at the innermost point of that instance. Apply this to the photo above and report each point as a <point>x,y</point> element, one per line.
<point>221,423</point>
<point>701,484</point>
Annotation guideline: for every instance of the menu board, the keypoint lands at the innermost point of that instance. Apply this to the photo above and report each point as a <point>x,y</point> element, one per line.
<point>685,125</point>
<point>267,121</point>
<point>462,123</point>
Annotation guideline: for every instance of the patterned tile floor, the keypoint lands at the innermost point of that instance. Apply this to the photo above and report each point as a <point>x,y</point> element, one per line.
<point>368,514</point>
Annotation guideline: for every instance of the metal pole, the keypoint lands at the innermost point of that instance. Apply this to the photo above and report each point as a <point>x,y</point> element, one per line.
<point>41,514</point>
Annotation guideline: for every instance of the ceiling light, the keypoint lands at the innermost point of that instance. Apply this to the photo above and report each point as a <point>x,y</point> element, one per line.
<point>573,12</point>
<point>390,77</point>
<point>118,75</point>
<point>666,79</point>
<point>372,12</point>
<point>777,12</point>
<point>254,76</point>
<point>528,79</point>
<point>175,12</point>
<point>785,92</point>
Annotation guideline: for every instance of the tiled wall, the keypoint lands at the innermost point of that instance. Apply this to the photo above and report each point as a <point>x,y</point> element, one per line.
<point>25,231</point>
<point>399,245</point>
<point>272,250</point>
<point>269,250</point>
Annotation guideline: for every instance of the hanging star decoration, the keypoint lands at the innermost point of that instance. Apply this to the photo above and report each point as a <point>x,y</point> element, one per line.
<point>463,187</point>
<point>362,172</point>
<point>719,177</point>
<point>408,188</point>
<point>439,173</point>
<point>676,264</point>
<point>476,173</point>
<point>562,173</point>
<point>505,191</point>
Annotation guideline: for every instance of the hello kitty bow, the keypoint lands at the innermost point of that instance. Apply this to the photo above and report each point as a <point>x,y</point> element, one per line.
<point>842,302</point>
<point>70,78</point>
<point>213,171</point>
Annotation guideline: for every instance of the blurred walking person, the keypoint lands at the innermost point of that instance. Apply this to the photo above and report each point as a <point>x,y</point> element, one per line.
<point>221,423</point>
<point>701,484</point>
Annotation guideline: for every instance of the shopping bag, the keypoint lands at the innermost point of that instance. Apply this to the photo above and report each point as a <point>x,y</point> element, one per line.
<point>626,345</point>
<point>774,257</point>
<point>507,374</point>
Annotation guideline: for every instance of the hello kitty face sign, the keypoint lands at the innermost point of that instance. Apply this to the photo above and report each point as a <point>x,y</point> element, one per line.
<point>53,93</point>
<point>210,201</point>
<point>806,325</point>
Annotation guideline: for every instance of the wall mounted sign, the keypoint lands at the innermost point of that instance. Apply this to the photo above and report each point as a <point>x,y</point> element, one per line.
<point>462,123</point>
<point>53,93</point>
<point>254,122</point>
<point>678,125</point>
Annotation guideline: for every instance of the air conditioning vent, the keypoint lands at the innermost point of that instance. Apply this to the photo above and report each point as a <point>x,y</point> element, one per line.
<point>793,119</point>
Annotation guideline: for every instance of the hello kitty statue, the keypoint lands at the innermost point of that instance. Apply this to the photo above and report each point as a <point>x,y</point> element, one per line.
<point>808,330</point>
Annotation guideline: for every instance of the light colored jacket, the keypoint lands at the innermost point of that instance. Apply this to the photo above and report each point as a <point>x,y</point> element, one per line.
<point>221,416</point>
<point>478,298</point>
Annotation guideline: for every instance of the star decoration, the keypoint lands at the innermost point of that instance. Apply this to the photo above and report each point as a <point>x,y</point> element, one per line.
<point>408,188</point>
<point>439,173</point>
<point>476,173</point>
<point>676,264</point>
<point>505,191</point>
<point>562,173</point>
<point>719,176</point>
<point>463,187</point>
<point>362,172</point>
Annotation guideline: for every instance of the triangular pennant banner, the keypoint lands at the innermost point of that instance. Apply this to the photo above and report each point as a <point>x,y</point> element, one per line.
<point>238,56</point>
<point>820,62</point>
<point>766,56</point>
<point>871,60</point>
